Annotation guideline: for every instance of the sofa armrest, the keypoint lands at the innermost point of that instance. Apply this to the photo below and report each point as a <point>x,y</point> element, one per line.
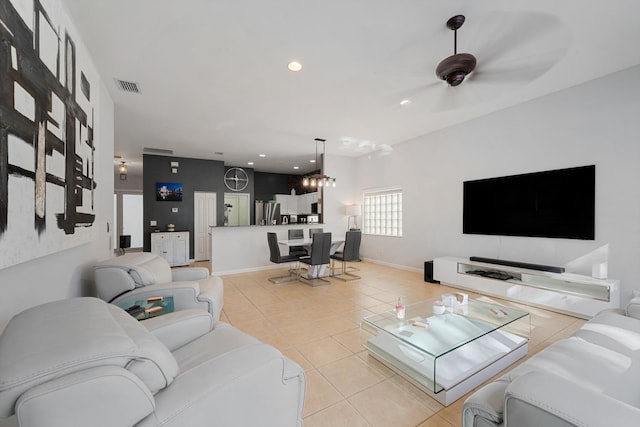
<point>539,399</point>
<point>486,403</point>
<point>633,308</point>
<point>105,396</point>
<point>180,327</point>
<point>189,273</point>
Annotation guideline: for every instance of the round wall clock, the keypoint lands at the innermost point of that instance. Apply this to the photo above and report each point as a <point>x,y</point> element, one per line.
<point>236,179</point>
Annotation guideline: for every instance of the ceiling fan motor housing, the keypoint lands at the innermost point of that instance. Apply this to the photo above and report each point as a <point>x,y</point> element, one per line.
<point>455,68</point>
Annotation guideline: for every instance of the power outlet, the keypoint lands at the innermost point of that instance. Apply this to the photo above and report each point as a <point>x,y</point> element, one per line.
<point>153,223</point>
<point>174,210</point>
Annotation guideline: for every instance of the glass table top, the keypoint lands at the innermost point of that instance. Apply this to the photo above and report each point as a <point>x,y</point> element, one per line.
<point>438,334</point>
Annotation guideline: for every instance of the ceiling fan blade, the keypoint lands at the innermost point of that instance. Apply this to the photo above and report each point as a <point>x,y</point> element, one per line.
<point>503,35</point>
<point>419,95</point>
<point>517,71</point>
<point>456,97</point>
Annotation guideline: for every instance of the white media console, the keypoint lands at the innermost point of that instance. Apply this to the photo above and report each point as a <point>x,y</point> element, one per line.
<point>569,293</point>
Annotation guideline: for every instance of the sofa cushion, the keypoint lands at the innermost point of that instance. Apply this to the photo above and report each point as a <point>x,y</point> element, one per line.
<point>57,338</point>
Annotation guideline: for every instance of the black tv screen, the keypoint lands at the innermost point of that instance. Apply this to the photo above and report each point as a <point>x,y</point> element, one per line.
<point>557,204</point>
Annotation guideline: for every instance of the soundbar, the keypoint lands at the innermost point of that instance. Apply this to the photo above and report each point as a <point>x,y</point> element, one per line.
<point>539,267</point>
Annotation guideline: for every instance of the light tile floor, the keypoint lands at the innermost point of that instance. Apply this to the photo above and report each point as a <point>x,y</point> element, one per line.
<point>318,327</point>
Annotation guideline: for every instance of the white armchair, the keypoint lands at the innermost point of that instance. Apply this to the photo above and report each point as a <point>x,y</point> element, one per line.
<point>142,275</point>
<point>83,362</point>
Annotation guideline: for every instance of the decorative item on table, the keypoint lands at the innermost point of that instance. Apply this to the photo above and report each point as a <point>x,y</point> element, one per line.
<point>455,299</point>
<point>400,309</point>
<point>498,312</point>
<point>438,307</point>
<point>171,227</point>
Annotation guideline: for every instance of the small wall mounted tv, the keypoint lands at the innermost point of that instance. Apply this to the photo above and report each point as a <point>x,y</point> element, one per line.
<point>557,204</point>
<point>168,192</point>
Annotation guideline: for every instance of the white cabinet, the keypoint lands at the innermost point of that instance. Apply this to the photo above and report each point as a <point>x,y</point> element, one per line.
<point>569,293</point>
<point>172,246</point>
<point>296,204</point>
<point>305,201</point>
<point>288,204</point>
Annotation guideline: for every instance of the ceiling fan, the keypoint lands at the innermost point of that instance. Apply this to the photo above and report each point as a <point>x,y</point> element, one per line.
<point>513,49</point>
<point>456,67</point>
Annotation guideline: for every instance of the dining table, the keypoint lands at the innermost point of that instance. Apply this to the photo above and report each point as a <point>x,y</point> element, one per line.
<point>314,271</point>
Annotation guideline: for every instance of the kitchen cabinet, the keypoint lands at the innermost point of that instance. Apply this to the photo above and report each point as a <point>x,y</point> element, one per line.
<point>288,204</point>
<point>305,201</point>
<point>296,204</point>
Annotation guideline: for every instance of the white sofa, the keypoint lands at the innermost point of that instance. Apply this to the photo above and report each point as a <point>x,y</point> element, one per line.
<point>83,362</point>
<point>589,379</point>
<point>140,275</point>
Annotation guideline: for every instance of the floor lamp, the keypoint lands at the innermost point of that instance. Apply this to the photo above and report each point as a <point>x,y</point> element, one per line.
<point>353,211</point>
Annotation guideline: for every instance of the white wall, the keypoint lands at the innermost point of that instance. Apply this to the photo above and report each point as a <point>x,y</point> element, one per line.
<point>595,123</point>
<point>69,273</point>
<point>335,199</point>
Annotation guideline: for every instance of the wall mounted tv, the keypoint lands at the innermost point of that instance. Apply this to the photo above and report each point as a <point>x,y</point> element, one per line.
<point>556,203</point>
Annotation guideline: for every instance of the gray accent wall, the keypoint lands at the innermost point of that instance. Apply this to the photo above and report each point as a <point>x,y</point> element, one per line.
<point>194,175</point>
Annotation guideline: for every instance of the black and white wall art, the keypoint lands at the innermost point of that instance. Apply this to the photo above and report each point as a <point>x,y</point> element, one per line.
<point>47,146</point>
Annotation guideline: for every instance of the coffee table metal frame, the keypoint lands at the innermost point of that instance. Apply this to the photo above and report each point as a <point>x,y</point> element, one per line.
<point>457,350</point>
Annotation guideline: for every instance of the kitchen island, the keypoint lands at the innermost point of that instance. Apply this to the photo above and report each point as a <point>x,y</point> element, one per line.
<point>243,249</point>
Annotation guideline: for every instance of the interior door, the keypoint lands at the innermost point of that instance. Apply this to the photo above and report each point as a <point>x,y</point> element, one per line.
<point>204,217</point>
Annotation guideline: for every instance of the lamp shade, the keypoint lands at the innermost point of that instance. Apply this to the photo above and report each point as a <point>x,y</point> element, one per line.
<point>353,210</point>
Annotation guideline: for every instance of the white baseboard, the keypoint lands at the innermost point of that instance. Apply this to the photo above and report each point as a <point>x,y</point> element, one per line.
<point>398,266</point>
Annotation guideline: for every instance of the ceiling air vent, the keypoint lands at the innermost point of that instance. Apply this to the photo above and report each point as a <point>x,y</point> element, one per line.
<point>127,86</point>
<point>157,151</point>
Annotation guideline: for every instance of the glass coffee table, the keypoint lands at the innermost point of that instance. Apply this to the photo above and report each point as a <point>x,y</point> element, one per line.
<point>449,354</point>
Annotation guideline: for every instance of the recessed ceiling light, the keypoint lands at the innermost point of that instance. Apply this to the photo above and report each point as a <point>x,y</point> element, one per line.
<point>312,161</point>
<point>405,102</point>
<point>262,155</point>
<point>296,167</point>
<point>250,163</point>
<point>294,66</point>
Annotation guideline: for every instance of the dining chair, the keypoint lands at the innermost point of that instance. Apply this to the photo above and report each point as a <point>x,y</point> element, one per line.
<point>313,231</point>
<point>293,234</point>
<point>277,258</point>
<point>351,252</point>
<point>320,255</point>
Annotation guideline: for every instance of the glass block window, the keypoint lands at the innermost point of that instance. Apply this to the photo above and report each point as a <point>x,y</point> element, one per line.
<point>382,213</point>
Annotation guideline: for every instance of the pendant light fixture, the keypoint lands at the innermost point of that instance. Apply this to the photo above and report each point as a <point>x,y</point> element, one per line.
<point>123,171</point>
<point>319,179</point>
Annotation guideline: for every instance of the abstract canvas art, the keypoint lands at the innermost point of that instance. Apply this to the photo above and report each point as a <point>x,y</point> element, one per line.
<point>47,146</point>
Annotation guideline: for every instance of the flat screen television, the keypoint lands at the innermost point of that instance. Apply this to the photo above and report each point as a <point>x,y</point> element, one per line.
<point>556,203</point>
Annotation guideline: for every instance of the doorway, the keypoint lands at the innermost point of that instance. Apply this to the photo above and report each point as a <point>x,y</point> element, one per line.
<point>236,209</point>
<point>128,218</point>
<point>204,211</point>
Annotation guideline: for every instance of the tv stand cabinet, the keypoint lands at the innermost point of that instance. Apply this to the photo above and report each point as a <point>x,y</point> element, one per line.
<point>567,293</point>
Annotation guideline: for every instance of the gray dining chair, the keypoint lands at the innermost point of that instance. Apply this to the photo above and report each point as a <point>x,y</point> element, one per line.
<point>351,252</point>
<point>313,231</point>
<point>293,234</point>
<point>320,255</point>
<point>277,258</point>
